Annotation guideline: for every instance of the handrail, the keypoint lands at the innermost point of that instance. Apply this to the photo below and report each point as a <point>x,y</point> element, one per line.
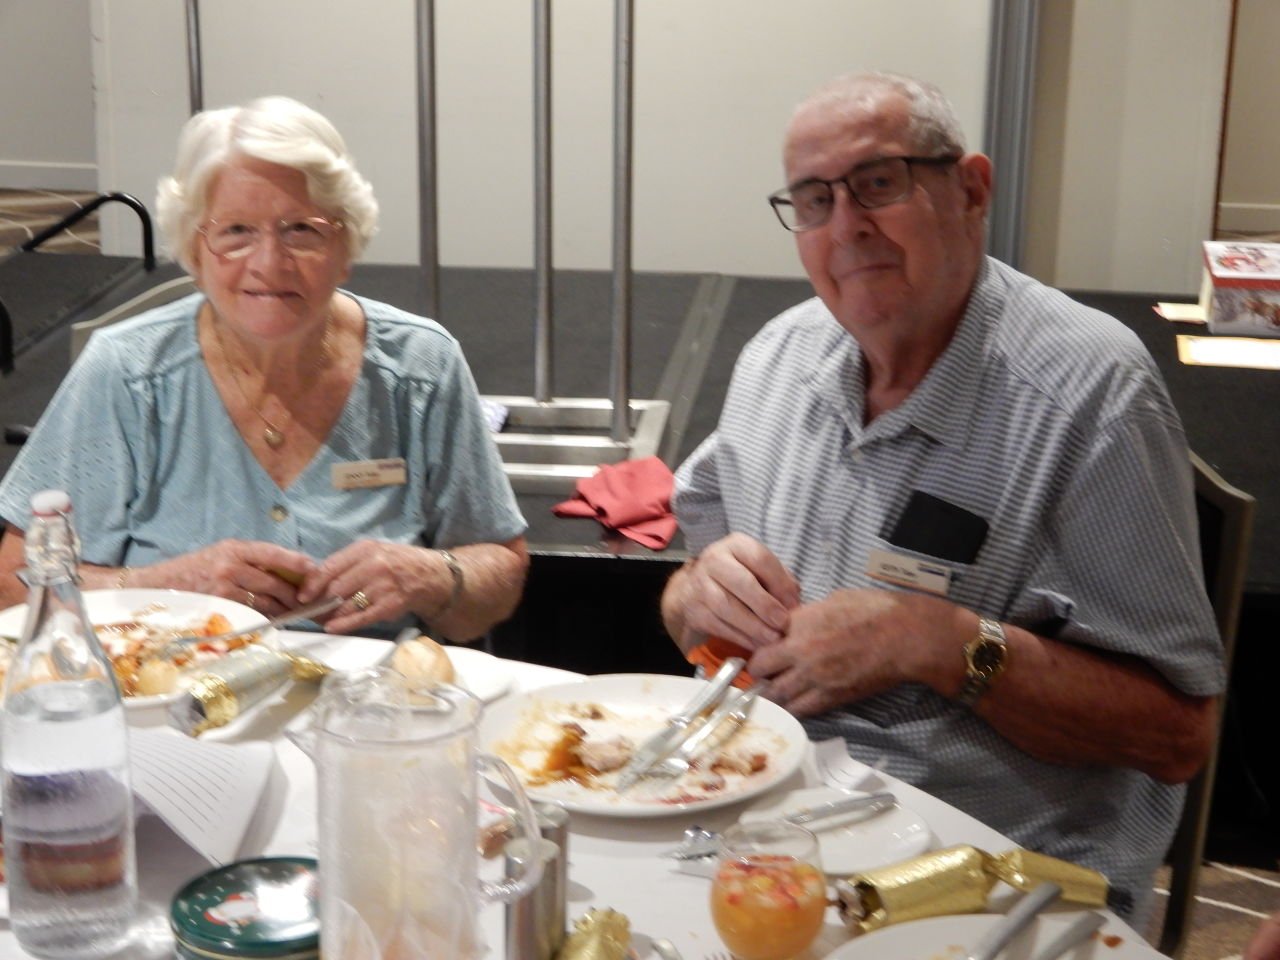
<point>71,219</point>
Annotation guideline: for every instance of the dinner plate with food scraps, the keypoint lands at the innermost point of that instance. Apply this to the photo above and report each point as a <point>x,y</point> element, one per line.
<point>134,622</point>
<point>568,743</point>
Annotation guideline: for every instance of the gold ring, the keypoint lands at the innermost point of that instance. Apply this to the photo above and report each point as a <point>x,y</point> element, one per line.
<point>250,598</point>
<point>359,600</point>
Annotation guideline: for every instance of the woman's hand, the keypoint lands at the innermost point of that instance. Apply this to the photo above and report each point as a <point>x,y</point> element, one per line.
<point>381,582</point>
<point>251,572</point>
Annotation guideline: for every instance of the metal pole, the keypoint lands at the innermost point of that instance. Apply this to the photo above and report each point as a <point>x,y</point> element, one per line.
<point>1007,138</point>
<point>195,83</point>
<point>428,243</point>
<point>619,368</point>
<point>543,367</point>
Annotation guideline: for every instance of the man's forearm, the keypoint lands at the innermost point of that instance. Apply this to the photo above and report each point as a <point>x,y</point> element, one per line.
<point>1067,704</point>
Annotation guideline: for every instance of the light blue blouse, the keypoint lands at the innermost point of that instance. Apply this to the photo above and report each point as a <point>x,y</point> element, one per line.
<point>139,437</point>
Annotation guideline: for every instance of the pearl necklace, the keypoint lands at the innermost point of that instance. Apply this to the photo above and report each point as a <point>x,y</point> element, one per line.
<point>272,435</point>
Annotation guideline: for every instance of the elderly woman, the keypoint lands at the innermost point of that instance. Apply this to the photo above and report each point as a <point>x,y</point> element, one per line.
<point>274,439</point>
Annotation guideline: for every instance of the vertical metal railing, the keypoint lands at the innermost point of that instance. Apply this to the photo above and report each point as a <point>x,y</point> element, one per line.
<point>195,71</point>
<point>428,212</point>
<point>543,364</point>
<point>620,365</point>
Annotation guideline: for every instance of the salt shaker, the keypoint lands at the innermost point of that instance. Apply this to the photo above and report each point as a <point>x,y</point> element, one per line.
<point>536,923</point>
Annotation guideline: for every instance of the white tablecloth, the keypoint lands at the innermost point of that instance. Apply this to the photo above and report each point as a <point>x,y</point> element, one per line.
<point>612,862</point>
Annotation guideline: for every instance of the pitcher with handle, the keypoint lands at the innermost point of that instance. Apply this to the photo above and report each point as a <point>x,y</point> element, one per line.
<point>396,769</point>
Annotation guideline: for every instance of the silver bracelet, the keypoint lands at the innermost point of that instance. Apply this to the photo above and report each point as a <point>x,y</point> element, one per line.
<point>459,582</point>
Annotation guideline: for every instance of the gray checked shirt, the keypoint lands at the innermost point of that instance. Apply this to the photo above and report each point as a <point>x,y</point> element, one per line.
<point>1048,420</point>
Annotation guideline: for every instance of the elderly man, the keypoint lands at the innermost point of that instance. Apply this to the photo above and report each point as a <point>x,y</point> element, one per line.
<point>950,510</point>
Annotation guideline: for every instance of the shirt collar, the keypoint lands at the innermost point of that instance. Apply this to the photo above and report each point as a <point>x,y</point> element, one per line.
<point>943,404</point>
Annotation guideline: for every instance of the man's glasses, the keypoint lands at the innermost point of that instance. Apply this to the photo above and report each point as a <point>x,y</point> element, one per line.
<point>876,183</point>
<point>305,237</point>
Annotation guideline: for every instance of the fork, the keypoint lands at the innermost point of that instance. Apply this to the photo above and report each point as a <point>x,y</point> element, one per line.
<point>734,714</point>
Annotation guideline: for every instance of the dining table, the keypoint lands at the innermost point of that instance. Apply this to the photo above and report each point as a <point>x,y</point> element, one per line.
<point>614,861</point>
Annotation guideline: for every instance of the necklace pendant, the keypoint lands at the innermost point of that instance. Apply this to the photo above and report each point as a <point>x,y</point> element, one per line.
<point>273,437</point>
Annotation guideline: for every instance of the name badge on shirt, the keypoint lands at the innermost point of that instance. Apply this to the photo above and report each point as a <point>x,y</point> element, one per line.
<point>909,572</point>
<point>368,473</point>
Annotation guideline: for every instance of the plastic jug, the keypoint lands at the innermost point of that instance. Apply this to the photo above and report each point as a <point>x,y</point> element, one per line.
<point>396,770</point>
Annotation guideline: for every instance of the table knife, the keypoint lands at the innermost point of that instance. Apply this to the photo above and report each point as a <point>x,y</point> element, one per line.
<point>677,727</point>
<point>1023,912</point>
<point>871,802</point>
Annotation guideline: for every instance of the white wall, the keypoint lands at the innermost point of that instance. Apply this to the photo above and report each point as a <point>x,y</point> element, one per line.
<point>715,81</point>
<point>1250,198</point>
<point>46,96</point>
<point>1124,165</point>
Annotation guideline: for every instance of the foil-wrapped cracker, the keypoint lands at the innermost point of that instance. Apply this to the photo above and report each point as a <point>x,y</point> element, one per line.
<point>1026,870</point>
<point>955,880</point>
<point>598,935</point>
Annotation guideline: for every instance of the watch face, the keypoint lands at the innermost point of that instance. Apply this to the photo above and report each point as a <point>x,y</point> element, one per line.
<point>987,657</point>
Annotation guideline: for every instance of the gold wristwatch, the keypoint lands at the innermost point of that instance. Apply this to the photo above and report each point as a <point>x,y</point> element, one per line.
<point>985,657</point>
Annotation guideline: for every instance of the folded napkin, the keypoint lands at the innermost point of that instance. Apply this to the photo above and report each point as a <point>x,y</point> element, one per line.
<point>712,654</point>
<point>632,497</point>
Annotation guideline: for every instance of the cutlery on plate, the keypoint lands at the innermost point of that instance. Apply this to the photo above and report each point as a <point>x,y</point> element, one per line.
<point>720,726</point>
<point>1023,912</point>
<point>1079,930</point>
<point>317,608</point>
<point>699,842</point>
<point>666,950</point>
<point>677,727</point>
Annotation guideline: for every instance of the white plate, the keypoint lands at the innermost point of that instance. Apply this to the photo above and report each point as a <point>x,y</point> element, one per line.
<point>176,608</point>
<point>849,846</point>
<point>946,938</point>
<point>481,673</point>
<point>519,729</point>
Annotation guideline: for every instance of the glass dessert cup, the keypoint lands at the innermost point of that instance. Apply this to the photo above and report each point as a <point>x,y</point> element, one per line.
<point>769,894</point>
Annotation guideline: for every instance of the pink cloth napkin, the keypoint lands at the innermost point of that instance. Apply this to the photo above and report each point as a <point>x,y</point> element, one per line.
<point>632,497</point>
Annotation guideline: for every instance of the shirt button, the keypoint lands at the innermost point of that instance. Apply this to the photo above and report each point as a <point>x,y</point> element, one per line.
<point>857,455</point>
<point>279,513</point>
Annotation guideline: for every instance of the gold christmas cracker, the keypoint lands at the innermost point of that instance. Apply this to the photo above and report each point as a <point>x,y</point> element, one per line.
<point>1026,870</point>
<point>956,880</point>
<point>946,881</point>
<point>598,935</point>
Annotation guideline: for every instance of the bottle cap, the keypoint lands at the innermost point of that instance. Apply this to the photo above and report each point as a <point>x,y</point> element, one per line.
<point>265,908</point>
<point>47,503</point>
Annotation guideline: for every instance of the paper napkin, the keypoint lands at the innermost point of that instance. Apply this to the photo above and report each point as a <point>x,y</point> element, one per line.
<point>205,792</point>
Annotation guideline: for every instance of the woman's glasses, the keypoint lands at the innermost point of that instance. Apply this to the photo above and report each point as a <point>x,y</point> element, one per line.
<point>232,239</point>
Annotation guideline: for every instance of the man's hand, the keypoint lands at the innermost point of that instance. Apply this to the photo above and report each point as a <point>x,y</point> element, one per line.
<point>735,589</point>
<point>851,645</point>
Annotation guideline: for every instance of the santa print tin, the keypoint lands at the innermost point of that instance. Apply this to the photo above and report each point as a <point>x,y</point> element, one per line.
<point>263,908</point>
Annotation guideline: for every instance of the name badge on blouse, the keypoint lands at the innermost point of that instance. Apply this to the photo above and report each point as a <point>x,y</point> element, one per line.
<point>359,474</point>
<point>909,572</point>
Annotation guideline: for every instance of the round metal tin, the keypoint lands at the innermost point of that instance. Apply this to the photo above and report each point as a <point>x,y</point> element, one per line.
<point>263,908</point>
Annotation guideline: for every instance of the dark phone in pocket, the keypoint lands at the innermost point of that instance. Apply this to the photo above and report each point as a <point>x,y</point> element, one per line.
<point>938,528</point>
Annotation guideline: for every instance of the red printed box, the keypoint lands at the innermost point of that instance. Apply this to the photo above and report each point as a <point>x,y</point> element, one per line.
<point>1241,289</point>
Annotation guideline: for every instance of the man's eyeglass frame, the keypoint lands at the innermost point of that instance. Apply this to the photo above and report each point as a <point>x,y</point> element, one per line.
<point>336,226</point>
<point>781,198</point>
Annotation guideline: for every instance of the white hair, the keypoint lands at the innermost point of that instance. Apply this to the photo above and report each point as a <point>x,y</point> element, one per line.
<point>932,122</point>
<point>276,130</point>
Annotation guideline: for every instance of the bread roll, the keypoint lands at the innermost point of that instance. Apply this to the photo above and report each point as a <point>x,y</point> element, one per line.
<point>422,660</point>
